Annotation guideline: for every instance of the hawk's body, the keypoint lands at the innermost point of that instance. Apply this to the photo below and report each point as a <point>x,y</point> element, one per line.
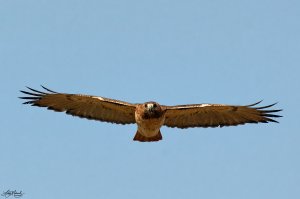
<point>150,116</point>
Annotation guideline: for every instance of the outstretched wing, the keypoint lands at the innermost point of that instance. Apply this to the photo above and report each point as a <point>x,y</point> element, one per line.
<point>214,115</point>
<point>90,107</point>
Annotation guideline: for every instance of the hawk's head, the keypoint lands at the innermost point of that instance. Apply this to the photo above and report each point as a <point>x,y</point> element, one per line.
<point>152,110</point>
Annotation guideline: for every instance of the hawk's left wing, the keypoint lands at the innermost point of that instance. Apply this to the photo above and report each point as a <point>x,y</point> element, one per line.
<point>85,106</point>
<point>214,115</point>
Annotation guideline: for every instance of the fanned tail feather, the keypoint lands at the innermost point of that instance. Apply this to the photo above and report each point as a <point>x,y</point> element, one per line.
<point>141,138</point>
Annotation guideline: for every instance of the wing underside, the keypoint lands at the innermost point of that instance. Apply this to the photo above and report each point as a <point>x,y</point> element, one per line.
<point>218,115</point>
<point>84,106</point>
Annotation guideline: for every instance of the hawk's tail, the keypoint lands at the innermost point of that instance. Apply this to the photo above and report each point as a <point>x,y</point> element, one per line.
<point>141,138</point>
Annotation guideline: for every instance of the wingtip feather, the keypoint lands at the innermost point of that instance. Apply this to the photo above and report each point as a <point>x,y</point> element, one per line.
<point>47,89</point>
<point>254,103</point>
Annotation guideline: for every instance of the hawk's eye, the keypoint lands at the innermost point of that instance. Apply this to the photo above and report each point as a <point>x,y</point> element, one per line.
<point>154,105</point>
<point>145,105</point>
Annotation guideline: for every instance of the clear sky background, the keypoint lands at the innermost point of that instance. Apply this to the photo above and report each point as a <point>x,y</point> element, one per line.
<point>173,52</point>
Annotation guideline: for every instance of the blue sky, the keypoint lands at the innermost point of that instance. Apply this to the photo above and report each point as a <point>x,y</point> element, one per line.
<point>173,52</point>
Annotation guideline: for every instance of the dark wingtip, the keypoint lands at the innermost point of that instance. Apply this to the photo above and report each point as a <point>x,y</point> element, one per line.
<point>34,95</point>
<point>268,106</point>
<point>36,90</point>
<point>273,111</point>
<point>271,120</point>
<point>47,89</point>
<point>255,103</point>
<point>267,114</point>
<point>271,115</point>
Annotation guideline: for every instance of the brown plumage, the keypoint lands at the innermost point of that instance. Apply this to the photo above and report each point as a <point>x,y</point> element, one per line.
<point>150,116</point>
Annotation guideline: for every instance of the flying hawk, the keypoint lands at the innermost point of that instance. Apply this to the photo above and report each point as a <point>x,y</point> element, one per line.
<point>150,116</point>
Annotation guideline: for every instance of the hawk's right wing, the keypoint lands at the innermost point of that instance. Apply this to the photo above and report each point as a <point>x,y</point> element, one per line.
<point>84,106</point>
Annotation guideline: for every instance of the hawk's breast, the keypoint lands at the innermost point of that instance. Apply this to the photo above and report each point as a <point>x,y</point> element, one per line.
<point>149,123</point>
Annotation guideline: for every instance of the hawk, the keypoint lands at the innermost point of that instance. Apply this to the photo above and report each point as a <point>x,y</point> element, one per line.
<point>150,116</point>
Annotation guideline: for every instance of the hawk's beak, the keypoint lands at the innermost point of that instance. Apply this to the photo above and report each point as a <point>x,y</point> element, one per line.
<point>150,107</point>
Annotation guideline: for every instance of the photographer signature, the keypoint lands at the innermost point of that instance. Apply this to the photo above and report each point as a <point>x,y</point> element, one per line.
<point>14,193</point>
